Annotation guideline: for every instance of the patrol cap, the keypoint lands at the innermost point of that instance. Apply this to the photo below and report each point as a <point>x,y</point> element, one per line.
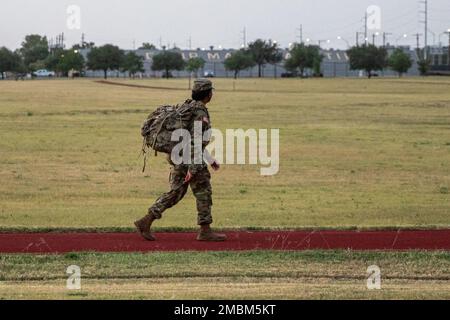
<point>202,84</point>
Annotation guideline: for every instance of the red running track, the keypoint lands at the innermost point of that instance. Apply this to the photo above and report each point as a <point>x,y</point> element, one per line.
<point>238,241</point>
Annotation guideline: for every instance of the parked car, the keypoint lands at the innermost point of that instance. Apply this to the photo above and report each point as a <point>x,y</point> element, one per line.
<point>288,74</point>
<point>75,74</point>
<point>43,73</point>
<point>208,74</point>
<point>22,76</point>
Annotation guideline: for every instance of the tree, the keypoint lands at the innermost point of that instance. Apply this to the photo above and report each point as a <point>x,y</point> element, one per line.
<point>53,60</point>
<point>167,61</point>
<point>423,63</point>
<point>63,61</point>
<point>147,46</point>
<point>304,57</point>
<point>132,63</point>
<point>34,51</point>
<point>317,65</point>
<point>400,62</point>
<point>195,64</point>
<point>274,58</point>
<point>262,53</point>
<point>107,57</point>
<point>40,64</point>
<point>84,45</point>
<point>19,67</point>
<point>71,60</point>
<point>238,61</point>
<point>368,58</point>
<point>6,61</point>
<point>424,66</point>
<point>11,62</point>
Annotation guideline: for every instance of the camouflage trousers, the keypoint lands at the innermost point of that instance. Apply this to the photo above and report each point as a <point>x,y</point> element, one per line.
<point>200,186</point>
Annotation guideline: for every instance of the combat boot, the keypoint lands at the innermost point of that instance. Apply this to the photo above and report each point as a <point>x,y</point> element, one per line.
<point>143,227</point>
<point>206,234</point>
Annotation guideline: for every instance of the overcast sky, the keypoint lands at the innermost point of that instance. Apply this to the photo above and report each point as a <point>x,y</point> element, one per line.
<point>213,22</point>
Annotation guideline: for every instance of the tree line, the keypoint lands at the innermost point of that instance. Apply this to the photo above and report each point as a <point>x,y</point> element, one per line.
<point>35,53</point>
<point>371,58</point>
<point>260,53</point>
<point>301,57</point>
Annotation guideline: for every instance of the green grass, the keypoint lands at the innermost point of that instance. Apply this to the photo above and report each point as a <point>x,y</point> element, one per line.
<point>354,153</point>
<point>226,275</point>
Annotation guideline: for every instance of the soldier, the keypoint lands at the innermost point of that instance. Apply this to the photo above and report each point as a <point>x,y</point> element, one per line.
<point>196,176</point>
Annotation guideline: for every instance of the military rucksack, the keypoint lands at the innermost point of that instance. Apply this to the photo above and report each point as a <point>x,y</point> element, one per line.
<point>158,128</point>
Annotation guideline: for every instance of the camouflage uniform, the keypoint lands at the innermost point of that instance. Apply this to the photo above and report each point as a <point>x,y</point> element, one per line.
<point>200,183</point>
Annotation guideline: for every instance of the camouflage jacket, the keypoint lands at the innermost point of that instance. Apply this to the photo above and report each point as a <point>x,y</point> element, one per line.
<point>199,115</point>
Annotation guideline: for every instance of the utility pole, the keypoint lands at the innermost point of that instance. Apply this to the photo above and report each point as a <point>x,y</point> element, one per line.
<point>365,29</point>
<point>320,43</point>
<point>244,37</point>
<point>52,49</point>
<point>300,30</point>
<point>82,40</point>
<point>448,58</point>
<point>418,35</point>
<point>425,22</point>
<point>60,41</point>
<point>448,48</point>
<point>385,35</point>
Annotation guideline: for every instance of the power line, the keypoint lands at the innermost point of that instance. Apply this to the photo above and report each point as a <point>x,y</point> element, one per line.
<point>405,14</point>
<point>323,34</point>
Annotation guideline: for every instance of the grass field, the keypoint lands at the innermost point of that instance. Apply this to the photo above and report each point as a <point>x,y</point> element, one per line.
<point>354,153</point>
<point>251,275</point>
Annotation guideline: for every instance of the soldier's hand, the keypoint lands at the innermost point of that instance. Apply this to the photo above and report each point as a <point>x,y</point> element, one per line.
<point>215,165</point>
<point>188,177</point>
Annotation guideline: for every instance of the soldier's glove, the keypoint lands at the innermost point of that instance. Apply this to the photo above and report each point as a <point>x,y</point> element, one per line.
<point>215,165</point>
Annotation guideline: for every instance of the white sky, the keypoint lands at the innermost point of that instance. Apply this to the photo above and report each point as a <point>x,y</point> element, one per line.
<point>213,22</point>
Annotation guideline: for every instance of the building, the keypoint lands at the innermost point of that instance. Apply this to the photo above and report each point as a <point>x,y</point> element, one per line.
<point>440,60</point>
<point>335,64</point>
